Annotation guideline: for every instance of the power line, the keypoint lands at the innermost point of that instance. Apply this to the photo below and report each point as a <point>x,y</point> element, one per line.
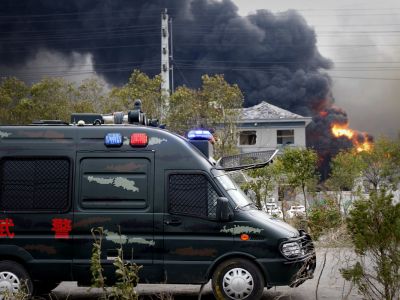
<point>366,78</point>
<point>79,13</point>
<point>270,71</point>
<point>90,48</point>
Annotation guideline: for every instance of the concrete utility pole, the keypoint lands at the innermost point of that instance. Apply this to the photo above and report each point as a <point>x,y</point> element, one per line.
<point>165,85</point>
<point>171,56</point>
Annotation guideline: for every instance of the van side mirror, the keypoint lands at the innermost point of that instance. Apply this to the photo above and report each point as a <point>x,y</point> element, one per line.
<point>224,212</point>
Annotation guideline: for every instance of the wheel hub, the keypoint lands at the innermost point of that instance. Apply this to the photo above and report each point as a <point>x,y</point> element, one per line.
<point>238,283</point>
<point>9,282</point>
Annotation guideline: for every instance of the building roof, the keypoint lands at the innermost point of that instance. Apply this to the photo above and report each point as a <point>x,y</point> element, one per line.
<point>265,111</point>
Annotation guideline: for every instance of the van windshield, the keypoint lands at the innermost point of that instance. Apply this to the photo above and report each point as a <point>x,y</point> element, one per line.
<point>234,191</point>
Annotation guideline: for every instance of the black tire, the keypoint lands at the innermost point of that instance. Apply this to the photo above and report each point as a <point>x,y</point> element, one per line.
<point>18,272</point>
<point>250,287</point>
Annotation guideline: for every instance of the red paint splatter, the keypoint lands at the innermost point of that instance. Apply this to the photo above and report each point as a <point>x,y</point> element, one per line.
<point>5,225</point>
<point>62,228</point>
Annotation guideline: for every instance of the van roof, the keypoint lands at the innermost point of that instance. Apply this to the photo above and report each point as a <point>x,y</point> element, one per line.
<point>166,144</point>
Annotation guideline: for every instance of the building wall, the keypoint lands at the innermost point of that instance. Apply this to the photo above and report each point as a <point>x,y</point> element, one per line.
<point>267,137</point>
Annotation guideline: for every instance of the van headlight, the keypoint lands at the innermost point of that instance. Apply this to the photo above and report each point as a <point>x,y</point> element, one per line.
<point>291,249</point>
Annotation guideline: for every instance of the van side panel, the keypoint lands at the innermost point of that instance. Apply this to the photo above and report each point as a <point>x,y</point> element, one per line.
<point>36,219</point>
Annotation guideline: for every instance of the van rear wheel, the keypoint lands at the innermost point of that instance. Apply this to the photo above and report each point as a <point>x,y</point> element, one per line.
<point>237,279</point>
<point>14,278</point>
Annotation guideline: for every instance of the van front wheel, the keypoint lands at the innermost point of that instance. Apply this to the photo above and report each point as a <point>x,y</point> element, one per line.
<point>14,278</point>
<point>237,279</point>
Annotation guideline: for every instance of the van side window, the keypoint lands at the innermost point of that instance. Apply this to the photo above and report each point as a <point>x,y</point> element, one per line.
<point>192,194</point>
<point>114,183</point>
<point>34,184</point>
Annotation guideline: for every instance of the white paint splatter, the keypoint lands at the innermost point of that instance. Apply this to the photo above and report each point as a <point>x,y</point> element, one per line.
<point>118,182</point>
<point>126,184</point>
<point>235,230</point>
<point>115,237</point>
<point>156,141</point>
<point>100,180</point>
<point>141,241</point>
<point>122,239</point>
<point>4,134</point>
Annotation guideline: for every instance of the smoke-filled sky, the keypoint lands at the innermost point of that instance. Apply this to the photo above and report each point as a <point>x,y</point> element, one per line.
<point>362,39</point>
<point>277,51</point>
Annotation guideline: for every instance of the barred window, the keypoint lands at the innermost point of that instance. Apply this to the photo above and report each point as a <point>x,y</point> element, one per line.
<point>34,184</point>
<point>192,194</point>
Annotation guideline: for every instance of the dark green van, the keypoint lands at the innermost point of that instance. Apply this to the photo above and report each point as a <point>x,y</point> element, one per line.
<point>181,214</point>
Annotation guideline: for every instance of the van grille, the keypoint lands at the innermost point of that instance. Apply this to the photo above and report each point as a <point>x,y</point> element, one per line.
<point>34,184</point>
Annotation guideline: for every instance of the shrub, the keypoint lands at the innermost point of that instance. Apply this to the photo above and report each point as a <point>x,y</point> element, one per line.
<point>126,272</point>
<point>323,217</point>
<point>374,226</point>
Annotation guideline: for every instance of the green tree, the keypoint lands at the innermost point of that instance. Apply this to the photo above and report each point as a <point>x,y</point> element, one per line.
<point>262,183</point>
<point>299,168</point>
<point>381,165</point>
<point>223,103</point>
<point>323,216</point>
<point>184,111</point>
<point>214,105</point>
<point>13,100</point>
<point>374,225</point>
<point>90,96</point>
<point>346,168</point>
<point>51,99</point>
<point>140,86</point>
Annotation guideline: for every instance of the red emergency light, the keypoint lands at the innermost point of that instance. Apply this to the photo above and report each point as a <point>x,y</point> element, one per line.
<point>139,140</point>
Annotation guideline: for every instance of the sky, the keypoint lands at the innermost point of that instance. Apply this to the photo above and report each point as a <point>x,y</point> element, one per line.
<point>362,38</point>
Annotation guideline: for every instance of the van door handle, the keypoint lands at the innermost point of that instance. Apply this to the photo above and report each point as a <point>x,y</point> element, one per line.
<point>173,222</point>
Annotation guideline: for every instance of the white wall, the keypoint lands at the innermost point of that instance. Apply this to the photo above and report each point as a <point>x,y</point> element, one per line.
<point>267,138</point>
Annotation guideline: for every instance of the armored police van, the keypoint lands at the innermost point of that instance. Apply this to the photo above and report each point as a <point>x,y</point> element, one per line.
<point>158,194</point>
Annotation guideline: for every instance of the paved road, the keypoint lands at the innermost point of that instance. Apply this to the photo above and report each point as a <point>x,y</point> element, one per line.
<point>331,286</point>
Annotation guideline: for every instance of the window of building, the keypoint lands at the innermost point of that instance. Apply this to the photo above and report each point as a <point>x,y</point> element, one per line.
<point>30,184</point>
<point>192,194</point>
<point>285,137</point>
<point>247,138</point>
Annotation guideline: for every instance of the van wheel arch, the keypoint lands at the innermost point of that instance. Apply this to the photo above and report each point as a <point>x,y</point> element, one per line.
<point>17,260</point>
<point>244,256</point>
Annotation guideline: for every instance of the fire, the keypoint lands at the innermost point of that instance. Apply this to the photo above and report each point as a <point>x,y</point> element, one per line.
<point>342,130</point>
<point>359,139</point>
<point>323,113</point>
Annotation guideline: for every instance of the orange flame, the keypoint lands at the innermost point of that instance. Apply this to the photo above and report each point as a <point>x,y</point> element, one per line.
<point>323,113</point>
<point>342,130</point>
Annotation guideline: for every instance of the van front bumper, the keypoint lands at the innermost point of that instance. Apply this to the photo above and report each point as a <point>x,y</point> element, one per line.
<point>291,271</point>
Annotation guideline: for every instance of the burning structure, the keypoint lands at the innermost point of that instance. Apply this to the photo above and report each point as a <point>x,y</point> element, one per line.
<point>271,57</point>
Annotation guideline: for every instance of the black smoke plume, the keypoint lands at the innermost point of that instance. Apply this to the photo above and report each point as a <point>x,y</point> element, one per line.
<point>272,57</point>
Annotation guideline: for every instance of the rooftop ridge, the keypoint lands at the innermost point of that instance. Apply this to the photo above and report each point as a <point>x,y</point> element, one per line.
<point>265,110</point>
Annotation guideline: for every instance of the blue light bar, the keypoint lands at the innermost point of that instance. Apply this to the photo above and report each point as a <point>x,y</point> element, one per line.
<point>199,134</point>
<point>113,140</point>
